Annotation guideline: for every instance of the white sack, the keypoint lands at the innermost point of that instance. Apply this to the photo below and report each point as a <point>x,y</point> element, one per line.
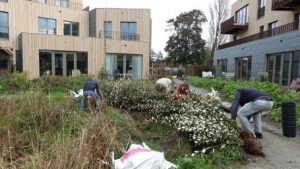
<point>142,157</point>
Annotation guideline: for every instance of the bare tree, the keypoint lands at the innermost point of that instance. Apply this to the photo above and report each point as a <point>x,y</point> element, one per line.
<point>219,10</point>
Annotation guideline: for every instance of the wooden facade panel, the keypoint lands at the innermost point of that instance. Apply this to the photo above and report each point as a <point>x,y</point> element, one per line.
<point>283,17</point>
<point>23,24</point>
<point>33,43</point>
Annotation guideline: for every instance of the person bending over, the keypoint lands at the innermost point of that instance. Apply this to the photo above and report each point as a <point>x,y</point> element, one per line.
<point>252,102</point>
<point>91,88</point>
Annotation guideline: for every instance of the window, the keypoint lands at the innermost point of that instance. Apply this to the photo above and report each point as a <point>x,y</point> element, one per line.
<point>262,3</point>
<point>128,31</point>
<point>236,37</point>
<point>71,28</point>
<point>243,68</point>
<point>124,65</point>
<point>41,1</point>
<point>272,27</point>
<point>3,0</point>
<point>222,66</point>
<point>261,31</point>
<point>47,26</point>
<point>62,63</point>
<point>4,25</point>
<point>283,67</point>
<point>297,20</point>
<point>108,29</point>
<point>62,3</point>
<point>241,16</point>
<point>19,61</point>
<point>261,8</point>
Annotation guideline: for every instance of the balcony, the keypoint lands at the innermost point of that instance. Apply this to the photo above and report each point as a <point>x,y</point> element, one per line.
<point>262,35</point>
<point>119,35</point>
<point>285,5</point>
<point>231,27</point>
<point>63,4</point>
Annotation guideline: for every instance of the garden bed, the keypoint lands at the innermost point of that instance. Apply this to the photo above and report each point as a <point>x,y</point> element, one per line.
<point>53,132</point>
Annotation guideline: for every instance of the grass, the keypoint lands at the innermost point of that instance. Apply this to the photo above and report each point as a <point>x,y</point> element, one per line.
<point>44,129</point>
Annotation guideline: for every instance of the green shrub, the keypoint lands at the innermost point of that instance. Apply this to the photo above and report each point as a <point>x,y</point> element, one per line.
<point>230,87</point>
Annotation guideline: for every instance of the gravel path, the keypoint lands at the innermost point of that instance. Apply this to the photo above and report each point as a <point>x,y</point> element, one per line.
<point>281,152</point>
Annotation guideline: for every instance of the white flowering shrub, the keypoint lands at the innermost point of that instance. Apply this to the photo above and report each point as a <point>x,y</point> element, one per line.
<point>206,125</point>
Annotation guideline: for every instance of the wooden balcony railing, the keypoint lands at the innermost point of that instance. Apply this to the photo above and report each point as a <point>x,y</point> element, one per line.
<point>231,27</point>
<point>285,4</point>
<point>269,33</point>
<point>119,35</point>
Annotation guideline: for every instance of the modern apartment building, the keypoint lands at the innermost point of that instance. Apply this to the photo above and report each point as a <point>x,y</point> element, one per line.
<point>264,37</point>
<point>60,36</point>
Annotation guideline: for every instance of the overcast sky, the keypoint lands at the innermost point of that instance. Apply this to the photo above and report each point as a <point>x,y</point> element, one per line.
<point>161,11</point>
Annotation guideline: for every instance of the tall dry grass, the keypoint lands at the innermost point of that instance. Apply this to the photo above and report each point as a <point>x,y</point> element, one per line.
<point>34,133</point>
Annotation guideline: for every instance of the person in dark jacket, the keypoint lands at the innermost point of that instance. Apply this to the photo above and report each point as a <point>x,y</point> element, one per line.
<point>91,88</point>
<point>251,102</point>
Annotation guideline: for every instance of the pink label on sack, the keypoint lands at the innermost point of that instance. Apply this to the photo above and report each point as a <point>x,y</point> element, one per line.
<point>133,152</point>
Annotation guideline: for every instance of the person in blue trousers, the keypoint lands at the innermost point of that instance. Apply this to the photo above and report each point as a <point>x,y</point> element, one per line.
<point>91,88</point>
<point>251,102</point>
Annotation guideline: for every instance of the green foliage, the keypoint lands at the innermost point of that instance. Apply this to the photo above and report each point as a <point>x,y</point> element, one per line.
<point>263,76</point>
<point>21,80</point>
<point>180,73</point>
<point>131,95</point>
<point>215,159</point>
<point>103,74</point>
<point>185,45</point>
<point>229,88</point>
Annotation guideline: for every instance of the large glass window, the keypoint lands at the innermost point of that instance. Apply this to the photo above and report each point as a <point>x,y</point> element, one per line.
<point>71,28</point>
<point>128,31</point>
<point>41,1</point>
<point>82,62</point>
<point>243,68</point>
<point>45,63</point>
<point>262,3</point>
<point>120,65</point>
<point>63,63</point>
<point>4,31</point>
<point>222,66</point>
<point>261,8</point>
<point>47,26</point>
<point>272,27</point>
<point>242,16</point>
<point>62,3</point>
<point>283,67</point>
<point>295,65</point>
<point>297,20</point>
<point>108,29</point>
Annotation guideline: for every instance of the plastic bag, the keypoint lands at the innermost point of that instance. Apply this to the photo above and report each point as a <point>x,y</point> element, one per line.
<point>142,157</point>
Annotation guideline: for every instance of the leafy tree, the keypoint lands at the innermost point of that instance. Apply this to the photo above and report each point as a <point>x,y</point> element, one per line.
<point>156,57</point>
<point>185,45</point>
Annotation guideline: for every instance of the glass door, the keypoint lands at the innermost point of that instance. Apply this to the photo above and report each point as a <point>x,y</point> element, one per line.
<point>58,58</point>
<point>137,67</point>
<point>70,66</point>
<point>277,71</point>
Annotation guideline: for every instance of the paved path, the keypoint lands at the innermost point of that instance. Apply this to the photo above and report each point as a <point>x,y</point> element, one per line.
<point>281,152</point>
